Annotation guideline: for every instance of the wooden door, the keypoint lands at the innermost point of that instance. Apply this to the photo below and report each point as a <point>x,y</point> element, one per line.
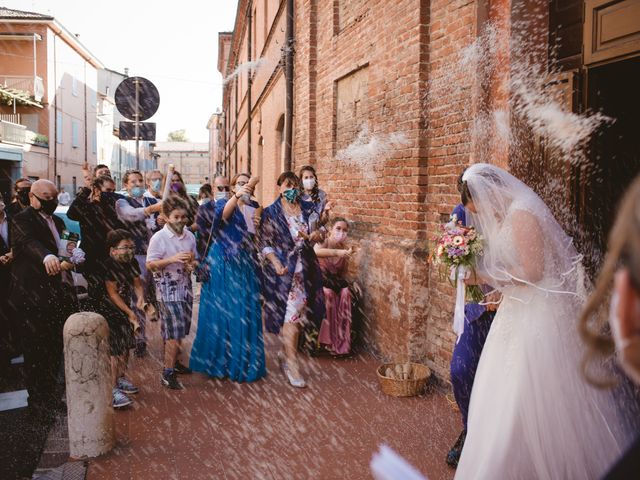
<point>611,30</point>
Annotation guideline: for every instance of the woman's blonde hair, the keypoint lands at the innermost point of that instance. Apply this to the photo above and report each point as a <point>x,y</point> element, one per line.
<point>623,251</point>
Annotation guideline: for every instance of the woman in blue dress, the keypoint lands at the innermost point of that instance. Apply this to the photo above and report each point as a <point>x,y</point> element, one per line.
<point>229,341</point>
<point>292,280</point>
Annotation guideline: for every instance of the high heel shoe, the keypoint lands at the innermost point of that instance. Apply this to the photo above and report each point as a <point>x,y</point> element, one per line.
<point>294,382</point>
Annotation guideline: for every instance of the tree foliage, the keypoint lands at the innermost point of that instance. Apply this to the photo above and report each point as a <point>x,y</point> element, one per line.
<point>178,136</point>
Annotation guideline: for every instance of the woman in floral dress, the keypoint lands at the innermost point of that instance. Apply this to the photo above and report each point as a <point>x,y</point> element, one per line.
<point>292,281</point>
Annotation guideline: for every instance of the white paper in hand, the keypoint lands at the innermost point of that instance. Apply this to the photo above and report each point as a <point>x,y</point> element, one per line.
<point>248,213</point>
<point>388,465</point>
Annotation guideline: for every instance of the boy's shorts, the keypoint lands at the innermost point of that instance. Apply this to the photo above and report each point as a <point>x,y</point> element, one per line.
<point>121,337</point>
<point>175,318</point>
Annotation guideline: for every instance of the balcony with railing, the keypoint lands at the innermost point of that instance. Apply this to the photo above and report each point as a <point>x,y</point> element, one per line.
<point>22,87</point>
<point>12,133</point>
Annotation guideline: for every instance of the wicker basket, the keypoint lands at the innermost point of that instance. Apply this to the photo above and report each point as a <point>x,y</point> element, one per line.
<point>404,388</point>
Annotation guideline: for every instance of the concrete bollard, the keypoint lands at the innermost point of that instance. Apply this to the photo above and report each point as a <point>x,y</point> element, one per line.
<point>87,367</point>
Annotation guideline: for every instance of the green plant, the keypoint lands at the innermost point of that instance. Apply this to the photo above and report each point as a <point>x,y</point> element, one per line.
<point>41,139</point>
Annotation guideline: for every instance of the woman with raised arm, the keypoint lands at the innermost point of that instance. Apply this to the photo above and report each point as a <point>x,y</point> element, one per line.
<point>229,341</point>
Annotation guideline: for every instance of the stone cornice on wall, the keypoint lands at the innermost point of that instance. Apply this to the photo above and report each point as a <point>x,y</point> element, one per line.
<point>238,34</point>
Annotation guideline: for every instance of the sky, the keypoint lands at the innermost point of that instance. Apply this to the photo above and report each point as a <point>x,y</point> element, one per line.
<point>172,43</point>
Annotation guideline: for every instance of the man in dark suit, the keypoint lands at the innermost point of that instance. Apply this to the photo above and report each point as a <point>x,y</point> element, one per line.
<point>42,294</point>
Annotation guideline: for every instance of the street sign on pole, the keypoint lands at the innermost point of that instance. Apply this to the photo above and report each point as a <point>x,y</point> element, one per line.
<point>146,131</point>
<point>137,99</point>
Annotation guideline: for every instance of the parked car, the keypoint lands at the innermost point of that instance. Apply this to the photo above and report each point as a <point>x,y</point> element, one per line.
<point>79,282</point>
<point>193,189</point>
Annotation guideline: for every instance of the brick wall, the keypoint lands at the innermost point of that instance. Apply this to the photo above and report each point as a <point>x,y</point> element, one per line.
<point>385,66</point>
<point>371,65</point>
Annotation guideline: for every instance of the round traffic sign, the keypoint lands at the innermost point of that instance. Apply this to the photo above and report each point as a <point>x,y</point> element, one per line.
<point>147,94</point>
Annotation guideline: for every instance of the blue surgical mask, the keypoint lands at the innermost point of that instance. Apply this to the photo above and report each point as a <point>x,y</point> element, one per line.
<point>137,192</point>
<point>155,185</point>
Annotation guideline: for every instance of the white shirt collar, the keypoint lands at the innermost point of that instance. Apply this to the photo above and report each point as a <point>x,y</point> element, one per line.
<point>172,234</point>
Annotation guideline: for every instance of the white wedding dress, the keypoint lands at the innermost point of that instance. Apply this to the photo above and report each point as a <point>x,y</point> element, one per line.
<point>532,414</point>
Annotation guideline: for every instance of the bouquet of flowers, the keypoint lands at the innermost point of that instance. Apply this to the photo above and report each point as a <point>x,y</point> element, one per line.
<point>457,248</point>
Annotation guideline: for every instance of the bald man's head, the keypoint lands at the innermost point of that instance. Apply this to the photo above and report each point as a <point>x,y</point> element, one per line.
<point>44,189</point>
<point>221,181</point>
<point>44,196</point>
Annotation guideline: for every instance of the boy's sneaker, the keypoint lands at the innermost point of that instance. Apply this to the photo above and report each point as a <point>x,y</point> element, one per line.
<point>120,399</point>
<point>180,369</point>
<point>170,380</point>
<point>126,386</point>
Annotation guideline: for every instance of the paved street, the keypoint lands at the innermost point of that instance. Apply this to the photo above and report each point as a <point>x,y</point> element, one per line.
<point>220,429</point>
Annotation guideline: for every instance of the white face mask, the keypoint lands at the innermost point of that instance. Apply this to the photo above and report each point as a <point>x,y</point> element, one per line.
<point>622,344</point>
<point>309,183</point>
<point>221,195</point>
<point>340,236</point>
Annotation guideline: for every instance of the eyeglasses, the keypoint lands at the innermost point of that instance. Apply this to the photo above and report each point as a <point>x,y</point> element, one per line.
<point>125,249</point>
<point>241,183</point>
<point>223,189</point>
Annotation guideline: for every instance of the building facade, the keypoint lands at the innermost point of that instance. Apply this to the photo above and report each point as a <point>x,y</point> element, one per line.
<point>216,157</point>
<point>392,100</point>
<point>49,83</point>
<point>192,160</point>
<point>254,93</point>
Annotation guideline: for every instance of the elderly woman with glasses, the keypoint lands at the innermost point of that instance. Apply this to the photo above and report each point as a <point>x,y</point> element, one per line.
<point>229,341</point>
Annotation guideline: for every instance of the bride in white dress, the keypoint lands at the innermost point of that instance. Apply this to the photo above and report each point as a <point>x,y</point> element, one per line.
<point>532,414</point>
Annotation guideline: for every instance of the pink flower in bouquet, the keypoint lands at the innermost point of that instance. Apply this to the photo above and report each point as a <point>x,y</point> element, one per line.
<point>458,240</point>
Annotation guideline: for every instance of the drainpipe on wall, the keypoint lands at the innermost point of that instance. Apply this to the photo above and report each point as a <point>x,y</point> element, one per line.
<point>249,83</point>
<point>55,112</point>
<point>288,74</point>
<point>235,144</point>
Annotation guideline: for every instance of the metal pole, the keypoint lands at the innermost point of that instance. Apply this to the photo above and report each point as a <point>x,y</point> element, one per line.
<point>137,116</point>
<point>288,74</point>
<point>35,66</point>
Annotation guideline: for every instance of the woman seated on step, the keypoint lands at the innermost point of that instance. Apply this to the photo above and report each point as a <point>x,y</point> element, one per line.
<point>333,255</point>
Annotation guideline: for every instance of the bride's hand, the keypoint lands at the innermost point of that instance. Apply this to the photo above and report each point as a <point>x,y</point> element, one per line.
<point>493,300</point>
